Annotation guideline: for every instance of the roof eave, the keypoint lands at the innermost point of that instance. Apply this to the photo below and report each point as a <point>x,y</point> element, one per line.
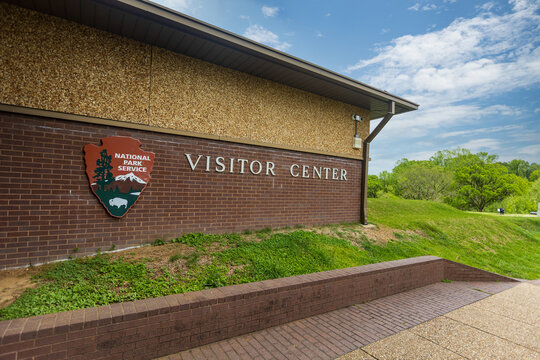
<point>159,26</point>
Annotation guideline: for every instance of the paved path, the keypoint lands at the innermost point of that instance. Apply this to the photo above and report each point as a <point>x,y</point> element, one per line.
<point>502,326</point>
<point>333,334</point>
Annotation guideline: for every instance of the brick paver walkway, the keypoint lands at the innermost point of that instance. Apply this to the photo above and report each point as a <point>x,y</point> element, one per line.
<point>335,333</point>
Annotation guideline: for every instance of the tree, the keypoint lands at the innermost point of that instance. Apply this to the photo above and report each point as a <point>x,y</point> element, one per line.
<point>102,172</point>
<point>374,186</point>
<point>535,175</point>
<point>534,191</point>
<point>519,167</point>
<point>521,204</point>
<point>479,185</point>
<point>388,182</point>
<point>458,158</point>
<point>423,181</point>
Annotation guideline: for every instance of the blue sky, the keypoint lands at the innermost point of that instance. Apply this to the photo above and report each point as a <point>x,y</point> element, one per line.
<point>473,66</point>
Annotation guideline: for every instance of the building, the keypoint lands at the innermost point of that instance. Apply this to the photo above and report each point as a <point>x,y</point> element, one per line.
<point>243,136</point>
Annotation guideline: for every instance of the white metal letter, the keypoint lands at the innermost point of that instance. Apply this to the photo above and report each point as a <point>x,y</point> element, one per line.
<point>251,167</point>
<point>219,162</point>
<point>208,163</point>
<point>326,171</point>
<point>305,170</point>
<point>242,163</point>
<point>193,166</point>
<point>270,168</point>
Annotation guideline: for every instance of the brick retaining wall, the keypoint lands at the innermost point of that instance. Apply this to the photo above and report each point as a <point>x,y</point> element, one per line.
<point>149,328</point>
<point>47,208</point>
<point>460,272</point>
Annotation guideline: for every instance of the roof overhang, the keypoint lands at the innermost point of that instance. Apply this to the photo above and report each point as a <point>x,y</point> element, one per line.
<point>156,25</point>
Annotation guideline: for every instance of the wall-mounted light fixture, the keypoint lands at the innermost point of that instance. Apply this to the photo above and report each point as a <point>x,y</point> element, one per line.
<point>357,141</point>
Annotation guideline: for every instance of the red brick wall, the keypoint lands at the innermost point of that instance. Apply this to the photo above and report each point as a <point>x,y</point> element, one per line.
<point>149,328</point>
<point>460,272</point>
<point>47,208</point>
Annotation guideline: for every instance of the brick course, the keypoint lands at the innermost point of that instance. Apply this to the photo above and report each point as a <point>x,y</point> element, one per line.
<point>47,208</point>
<point>149,328</point>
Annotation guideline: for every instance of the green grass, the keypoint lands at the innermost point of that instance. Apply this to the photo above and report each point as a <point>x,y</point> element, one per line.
<point>505,245</point>
<point>87,282</point>
<point>287,254</point>
<point>508,245</point>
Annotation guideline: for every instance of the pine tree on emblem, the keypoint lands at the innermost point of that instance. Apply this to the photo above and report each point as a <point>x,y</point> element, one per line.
<point>103,170</point>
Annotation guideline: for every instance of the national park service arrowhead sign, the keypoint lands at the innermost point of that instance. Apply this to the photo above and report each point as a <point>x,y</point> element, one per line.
<point>118,172</point>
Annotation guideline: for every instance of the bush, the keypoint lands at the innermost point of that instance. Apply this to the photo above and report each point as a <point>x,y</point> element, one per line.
<point>374,186</point>
<point>514,205</point>
<point>520,204</point>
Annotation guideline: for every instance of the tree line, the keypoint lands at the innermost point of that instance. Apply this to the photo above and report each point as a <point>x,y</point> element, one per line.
<point>464,180</point>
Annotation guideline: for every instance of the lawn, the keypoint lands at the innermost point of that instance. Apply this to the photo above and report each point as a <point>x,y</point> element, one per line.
<point>403,228</point>
<point>508,245</point>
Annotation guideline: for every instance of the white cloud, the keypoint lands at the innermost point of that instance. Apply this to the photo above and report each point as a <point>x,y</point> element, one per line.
<point>477,145</point>
<point>426,7</point>
<point>425,143</point>
<point>494,129</point>
<point>384,30</point>
<point>533,150</point>
<point>459,75</point>
<point>429,7</point>
<point>244,17</point>
<point>269,11</point>
<point>487,6</point>
<point>265,36</point>
<point>380,163</point>
<point>420,155</point>
<point>319,34</point>
<point>440,119</point>
<point>185,6</point>
<point>471,58</point>
<point>528,135</point>
<point>521,4</point>
<point>328,14</point>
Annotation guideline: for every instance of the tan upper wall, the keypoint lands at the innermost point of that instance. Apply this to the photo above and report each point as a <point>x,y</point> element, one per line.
<point>54,64</point>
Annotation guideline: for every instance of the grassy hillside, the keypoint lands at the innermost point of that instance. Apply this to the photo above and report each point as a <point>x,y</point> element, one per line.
<point>508,245</point>
<point>404,228</point>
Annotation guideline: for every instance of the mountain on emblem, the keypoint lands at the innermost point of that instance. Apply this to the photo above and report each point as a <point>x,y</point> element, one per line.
<point>118,172</point>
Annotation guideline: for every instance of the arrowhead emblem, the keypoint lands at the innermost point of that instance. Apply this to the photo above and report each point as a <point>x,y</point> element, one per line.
<point>118,172</point>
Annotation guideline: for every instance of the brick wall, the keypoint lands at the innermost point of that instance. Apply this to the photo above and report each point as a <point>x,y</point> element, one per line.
<point>149,328</point>
<point>460,272</point>
<point>47,208</point>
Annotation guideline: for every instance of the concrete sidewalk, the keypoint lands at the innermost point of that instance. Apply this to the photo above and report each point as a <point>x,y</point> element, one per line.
<point>364,331</point>
<point>502,326</point>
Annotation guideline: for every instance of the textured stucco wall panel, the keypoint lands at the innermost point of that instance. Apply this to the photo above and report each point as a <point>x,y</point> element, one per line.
<point>54,64</point>
<point>338,135</point>
<point>189,94</point>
